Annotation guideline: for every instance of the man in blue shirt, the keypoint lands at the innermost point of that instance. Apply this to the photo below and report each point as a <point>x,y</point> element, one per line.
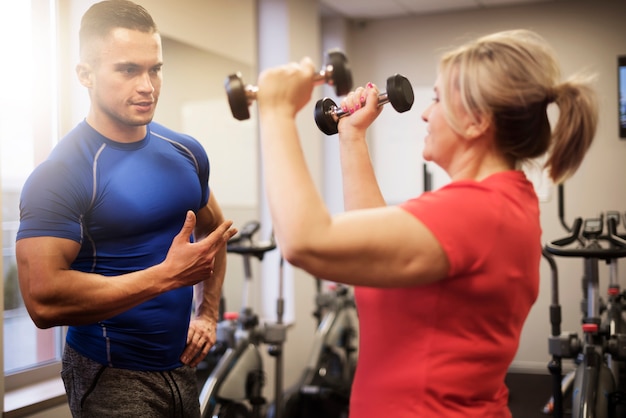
<point>117,227</point>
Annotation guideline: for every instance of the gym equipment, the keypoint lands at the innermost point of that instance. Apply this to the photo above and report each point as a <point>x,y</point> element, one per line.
<point>324,387</point>
<point>234,386</point>
<point>399,94</point>
<point>336,73</point>
<point>598,386</point>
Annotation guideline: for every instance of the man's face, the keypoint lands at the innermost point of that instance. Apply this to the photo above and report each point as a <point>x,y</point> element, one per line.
<point>124,82</point>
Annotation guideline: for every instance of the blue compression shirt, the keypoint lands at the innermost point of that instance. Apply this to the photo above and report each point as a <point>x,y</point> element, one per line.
<point>123,203</point>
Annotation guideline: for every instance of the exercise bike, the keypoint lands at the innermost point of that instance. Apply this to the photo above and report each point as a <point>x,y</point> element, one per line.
<point>323,389</point>
<point>235,385</point>
<point>599,383</point>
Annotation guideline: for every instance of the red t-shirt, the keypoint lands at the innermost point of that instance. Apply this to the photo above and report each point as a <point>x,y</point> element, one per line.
<point>442,350</point>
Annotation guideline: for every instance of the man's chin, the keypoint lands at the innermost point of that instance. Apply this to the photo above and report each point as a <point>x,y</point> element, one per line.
<point>141,121</point>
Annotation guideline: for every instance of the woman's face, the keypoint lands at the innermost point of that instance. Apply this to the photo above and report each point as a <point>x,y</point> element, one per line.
<point>441,141</point>
<point>445,144</point>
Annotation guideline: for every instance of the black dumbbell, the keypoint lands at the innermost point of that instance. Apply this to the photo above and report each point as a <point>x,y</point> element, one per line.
<point>336,73</point>
<point>399,94</point>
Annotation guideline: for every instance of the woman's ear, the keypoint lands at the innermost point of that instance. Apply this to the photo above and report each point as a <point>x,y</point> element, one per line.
<point>477,127</point>
<point>85,74</point>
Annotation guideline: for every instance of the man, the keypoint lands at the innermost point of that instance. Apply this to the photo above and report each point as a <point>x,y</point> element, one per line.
<point>117,226</point>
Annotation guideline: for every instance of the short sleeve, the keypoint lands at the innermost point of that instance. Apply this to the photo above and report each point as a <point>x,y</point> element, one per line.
<point>52,203</point>
<point>461,216</point>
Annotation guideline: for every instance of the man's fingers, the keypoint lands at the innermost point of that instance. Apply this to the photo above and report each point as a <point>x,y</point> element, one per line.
<point>224,231</point>
<point>188,226</point>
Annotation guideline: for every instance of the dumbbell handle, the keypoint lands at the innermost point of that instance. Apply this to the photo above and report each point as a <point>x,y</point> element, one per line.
<point>251,92</point>
<point>321,77</point>
<point>399,94</point>
<point>325,75</point>
<point>336,73</point>
<point>336,112</point>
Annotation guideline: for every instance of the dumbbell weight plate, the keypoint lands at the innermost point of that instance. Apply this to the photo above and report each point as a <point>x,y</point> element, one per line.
<point>342,75</point>
<point>323,119</point>
<point>400,93</point>
<point>236,92</point>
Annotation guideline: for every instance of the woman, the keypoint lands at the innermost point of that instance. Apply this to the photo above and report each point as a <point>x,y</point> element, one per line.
<point>445,281</point>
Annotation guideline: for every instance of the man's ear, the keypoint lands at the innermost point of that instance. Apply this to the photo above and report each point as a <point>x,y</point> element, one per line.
<point>85,74</point>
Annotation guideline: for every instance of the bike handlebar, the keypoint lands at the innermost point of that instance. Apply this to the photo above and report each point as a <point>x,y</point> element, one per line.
<point>242,243</point>
<point>246,232</point>
<point>573,236</point>
<point>613,236</point>
<point>616,249</point>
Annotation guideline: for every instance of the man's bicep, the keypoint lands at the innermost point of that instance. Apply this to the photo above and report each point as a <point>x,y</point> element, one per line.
<point>41,255</point>
<point>39,262</point>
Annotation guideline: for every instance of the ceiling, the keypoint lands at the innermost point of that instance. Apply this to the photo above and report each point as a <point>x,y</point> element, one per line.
<point>381,9</point>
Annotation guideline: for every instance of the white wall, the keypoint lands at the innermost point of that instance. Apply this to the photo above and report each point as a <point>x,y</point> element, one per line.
<point>224,27</point>
<point>586,35</point>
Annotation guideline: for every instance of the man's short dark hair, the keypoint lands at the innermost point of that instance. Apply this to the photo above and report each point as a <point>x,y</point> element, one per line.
<point>101,18</point>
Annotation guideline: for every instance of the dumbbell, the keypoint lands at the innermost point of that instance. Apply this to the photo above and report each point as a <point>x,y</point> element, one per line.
<point>399,94</point>
<point>336,73</point>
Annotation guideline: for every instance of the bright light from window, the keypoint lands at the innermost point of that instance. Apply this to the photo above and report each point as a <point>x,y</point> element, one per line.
<point>28,118</point>
<point>16,74</point>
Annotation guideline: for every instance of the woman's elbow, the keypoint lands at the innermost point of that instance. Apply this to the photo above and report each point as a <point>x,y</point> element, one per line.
<point>296,255</point>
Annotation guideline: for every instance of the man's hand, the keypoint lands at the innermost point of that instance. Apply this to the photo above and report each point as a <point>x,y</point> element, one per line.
<point>188,263</point>
<point>200,338</point>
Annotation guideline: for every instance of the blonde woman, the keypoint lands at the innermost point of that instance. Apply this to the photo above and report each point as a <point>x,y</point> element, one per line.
<point>445,281</point>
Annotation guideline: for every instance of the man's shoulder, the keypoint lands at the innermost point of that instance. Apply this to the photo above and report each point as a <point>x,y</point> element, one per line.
<point>81,140</point>
<point>164,131</point>
<point>181,139</point>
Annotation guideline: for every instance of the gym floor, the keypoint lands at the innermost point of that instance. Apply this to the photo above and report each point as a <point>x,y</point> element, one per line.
<point>529,393</point>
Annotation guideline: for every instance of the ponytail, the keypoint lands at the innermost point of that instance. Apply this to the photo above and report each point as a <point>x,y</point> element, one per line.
<point>575,128</point>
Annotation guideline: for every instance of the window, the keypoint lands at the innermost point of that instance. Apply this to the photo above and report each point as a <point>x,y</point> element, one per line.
<point>28,129</point>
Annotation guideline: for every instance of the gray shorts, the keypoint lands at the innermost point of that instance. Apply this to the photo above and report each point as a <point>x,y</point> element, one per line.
<point>94,390</point>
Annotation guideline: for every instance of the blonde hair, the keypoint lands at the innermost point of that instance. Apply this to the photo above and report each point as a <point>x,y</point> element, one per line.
<point>511,77</point>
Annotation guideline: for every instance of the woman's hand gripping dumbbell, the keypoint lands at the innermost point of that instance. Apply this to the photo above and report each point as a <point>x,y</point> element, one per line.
<point>399,94</point>
<point>336,73</point>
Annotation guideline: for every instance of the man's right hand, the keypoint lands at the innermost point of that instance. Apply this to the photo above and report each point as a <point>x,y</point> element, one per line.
<point>188,263</point>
